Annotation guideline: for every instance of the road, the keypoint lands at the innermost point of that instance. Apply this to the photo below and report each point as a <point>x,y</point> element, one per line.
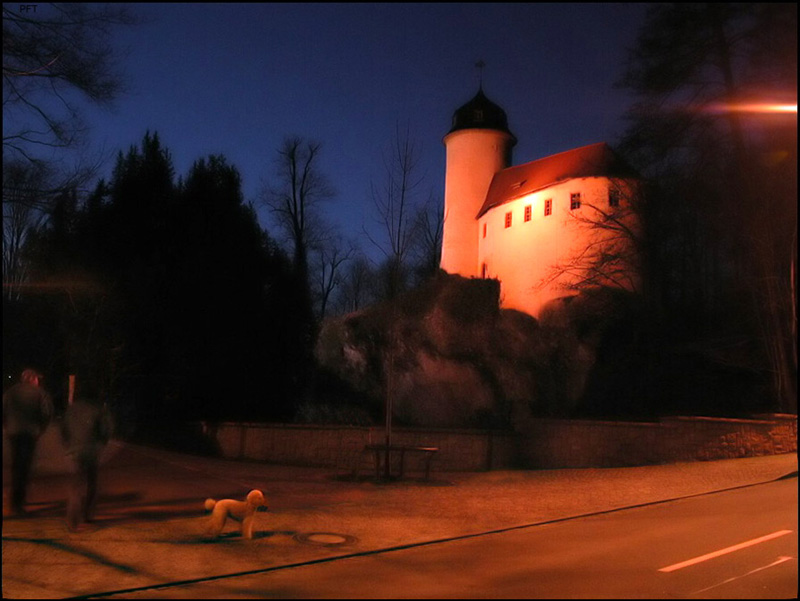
<point>735,544</point>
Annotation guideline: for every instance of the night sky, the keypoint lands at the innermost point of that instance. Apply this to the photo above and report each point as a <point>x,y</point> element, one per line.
<point>236,79</point>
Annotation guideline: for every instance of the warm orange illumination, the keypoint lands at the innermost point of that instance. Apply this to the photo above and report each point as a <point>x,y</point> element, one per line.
<point>473,157</point>
<point>536,261</point>
<point>542,254</point>
<point>754,108</point>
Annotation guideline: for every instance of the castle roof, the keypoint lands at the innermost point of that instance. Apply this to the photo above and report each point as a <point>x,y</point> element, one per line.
<point>587,161</point>
<point>480,113</point>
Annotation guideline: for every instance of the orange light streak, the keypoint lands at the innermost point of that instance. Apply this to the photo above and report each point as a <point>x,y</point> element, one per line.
<point>754,108</point>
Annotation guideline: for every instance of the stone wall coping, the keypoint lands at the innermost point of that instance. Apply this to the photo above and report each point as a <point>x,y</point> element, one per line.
<point>756,419</point>
<point>395,430</point>
<point>791,417</point>
<point>594,422</point>
<point>728,420</point>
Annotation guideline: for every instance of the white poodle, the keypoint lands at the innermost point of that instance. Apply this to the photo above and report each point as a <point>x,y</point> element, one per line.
<point>241,511</point>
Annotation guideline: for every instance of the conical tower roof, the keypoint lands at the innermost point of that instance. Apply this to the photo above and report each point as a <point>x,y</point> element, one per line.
<point>480,113</point>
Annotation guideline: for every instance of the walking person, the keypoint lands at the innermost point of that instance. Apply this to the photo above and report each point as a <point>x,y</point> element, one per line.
<point>85,430</point>
<point>27,411</point>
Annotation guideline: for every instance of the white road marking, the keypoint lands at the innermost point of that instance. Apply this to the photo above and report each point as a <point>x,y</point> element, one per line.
<point>707,556</point>
<point>778,561</point>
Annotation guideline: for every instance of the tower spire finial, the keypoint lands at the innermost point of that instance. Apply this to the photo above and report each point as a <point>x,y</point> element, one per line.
<point>480,65</point>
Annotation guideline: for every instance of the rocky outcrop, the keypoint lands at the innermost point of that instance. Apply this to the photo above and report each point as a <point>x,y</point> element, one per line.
<point>449,356</point>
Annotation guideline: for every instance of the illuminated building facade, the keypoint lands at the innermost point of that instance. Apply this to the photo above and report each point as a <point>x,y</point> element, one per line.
<point>530,226</point>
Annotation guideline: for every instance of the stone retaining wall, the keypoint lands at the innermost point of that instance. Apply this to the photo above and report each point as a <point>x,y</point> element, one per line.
<point>343,446</point>
<point>583,443</point>
<point>541,443</point>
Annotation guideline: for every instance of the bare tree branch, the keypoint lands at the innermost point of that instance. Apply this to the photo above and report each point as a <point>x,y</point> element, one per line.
<point>22,203</point>
<point>331,256</point>
<point>52,55</point>
<point>611,255</point>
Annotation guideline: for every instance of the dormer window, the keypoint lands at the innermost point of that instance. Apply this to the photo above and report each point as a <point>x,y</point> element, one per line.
<point>477,114</point>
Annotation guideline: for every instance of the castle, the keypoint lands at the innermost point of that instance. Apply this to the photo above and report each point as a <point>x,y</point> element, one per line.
<point>542,228</point>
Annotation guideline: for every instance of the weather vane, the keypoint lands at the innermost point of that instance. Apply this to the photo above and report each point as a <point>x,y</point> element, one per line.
<point>480,65</point>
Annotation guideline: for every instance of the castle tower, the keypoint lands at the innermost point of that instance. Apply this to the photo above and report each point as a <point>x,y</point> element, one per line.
<point>478,146</point>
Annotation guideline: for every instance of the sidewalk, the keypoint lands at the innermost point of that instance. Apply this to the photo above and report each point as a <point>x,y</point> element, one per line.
<point>150,515</point>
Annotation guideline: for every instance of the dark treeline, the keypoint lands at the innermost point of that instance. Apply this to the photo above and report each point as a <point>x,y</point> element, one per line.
<point>168,290</point>
<point>718,329</point>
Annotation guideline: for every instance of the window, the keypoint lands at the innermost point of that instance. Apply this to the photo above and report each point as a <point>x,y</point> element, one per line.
<point>574,201</point>
<point>613,198</point>
<point>484,230</point>
<point>508,219</point>
<point>548,207</point>
<point>528,213</point>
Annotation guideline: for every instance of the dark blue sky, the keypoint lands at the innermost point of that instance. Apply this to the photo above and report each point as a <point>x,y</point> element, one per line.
<point>236,79</point>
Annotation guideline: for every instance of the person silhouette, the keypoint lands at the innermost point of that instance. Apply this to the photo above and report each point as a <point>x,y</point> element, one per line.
<point>85,430</point>
<point>27,411</point>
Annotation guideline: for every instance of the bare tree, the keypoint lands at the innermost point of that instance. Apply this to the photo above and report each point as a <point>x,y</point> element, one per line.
<point>357,287</point>
<point>427,247</point>
<point>395,203</point>
<point>22,199</point>
<point>331,256</point>
<point>295,196</point>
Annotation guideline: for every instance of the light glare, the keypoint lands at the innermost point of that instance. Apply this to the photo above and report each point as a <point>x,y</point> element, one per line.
<point>755,108</point>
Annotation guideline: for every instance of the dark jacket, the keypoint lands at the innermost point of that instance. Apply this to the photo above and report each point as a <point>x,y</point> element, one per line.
<point>86,428</point>
<point>27,409</point>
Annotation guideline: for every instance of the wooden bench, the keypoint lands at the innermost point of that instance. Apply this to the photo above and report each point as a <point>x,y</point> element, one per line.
<point>379,449</point>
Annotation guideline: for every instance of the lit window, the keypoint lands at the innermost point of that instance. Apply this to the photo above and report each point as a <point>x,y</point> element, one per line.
<point>528,213</point>
<point>484,230</point>
<point>574,201</point>
<point>548,207</point>
<point>613,198</point>
<point>508,219</point>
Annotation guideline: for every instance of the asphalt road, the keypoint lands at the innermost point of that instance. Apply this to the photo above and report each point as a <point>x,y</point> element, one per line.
<point>735,544</point>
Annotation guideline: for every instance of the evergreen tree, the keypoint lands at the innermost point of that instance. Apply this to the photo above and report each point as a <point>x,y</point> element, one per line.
<point>171,293</point>
<point>223,327</point>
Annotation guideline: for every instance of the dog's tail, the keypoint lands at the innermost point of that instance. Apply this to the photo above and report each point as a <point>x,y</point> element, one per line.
<point>210,504</point>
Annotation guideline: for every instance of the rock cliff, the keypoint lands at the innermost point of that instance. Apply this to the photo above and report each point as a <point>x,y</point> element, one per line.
<point>451,357</point>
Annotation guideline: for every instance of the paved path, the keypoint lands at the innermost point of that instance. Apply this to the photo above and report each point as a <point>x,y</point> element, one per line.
<point>150,518</point>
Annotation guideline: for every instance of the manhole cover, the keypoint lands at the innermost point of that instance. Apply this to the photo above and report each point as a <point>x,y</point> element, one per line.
<point>324,539</point>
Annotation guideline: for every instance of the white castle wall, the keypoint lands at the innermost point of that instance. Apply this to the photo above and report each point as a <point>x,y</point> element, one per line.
<point>526,255</point>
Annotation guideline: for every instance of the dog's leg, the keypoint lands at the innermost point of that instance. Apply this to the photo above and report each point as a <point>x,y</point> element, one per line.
<point>247,525</point>
<point>216,522</point>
